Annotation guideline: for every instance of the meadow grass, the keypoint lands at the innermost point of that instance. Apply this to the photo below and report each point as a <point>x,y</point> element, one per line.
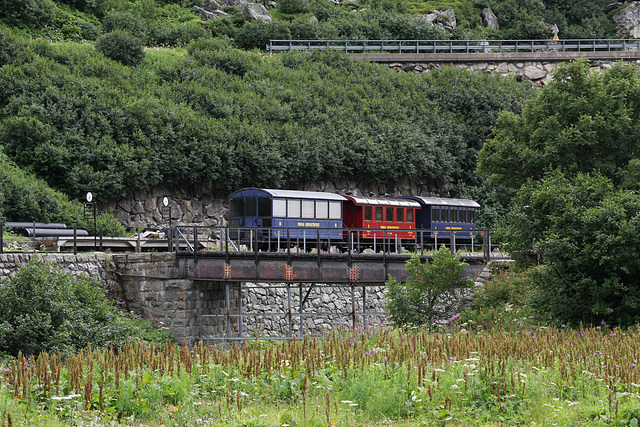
<point>541,377</point>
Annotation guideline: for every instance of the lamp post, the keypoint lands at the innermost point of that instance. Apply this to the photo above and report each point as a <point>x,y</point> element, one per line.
<point>90,206</point>
<point>166,204</point>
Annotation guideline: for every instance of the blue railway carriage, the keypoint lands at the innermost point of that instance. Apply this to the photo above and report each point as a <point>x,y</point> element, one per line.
<point>439,213</point>
<point>273,217</point>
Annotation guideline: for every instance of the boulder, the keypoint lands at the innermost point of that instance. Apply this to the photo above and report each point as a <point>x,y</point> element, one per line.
<point>489,19</point>
<point>627,21</point>
<point>445,20</point>
<point>254,11</point>
<point>533,73</point>
<point>206,15</point>
<point>448,19</point>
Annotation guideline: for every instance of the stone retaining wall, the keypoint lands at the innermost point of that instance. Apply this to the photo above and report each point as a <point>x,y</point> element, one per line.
<point>97,266</point>
<point>538,73</point>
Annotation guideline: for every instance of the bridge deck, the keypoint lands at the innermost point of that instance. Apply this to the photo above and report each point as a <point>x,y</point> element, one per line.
<point>342,268</point>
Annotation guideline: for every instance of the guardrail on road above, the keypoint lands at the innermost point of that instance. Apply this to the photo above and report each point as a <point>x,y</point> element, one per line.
<point>456,46</point>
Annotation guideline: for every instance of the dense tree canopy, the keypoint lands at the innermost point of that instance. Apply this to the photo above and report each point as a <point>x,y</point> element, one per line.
<point>589,234</point>
<point>580,122</point>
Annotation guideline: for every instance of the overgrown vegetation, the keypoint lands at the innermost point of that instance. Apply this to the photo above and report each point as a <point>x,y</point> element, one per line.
<point>526,377</point>
<point>571,159</point>
<point>232,118</point>
<point>432,290</point>
<point>45,309</point>
<point>23,197</point>
<point>173,23</point>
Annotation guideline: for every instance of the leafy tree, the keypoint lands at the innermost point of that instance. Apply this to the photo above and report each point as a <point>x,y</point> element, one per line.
<point>431,291</point>
<point>121,46</point>
<point>45,309</point>
<point>580,122</point>
<point>589,234</point>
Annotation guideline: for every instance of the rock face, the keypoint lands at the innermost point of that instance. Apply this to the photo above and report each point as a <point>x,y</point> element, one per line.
<point>445,20</point>
<point>255,11</point>
<point>251,11</point>
<point>489,19</point>
<point>628,21</point>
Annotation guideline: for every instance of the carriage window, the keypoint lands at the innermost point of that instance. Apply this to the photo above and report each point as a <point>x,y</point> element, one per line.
<point>250,206</point>
<point>409,215</point>
<point>280,207</point>
<point>463,215</point>
<point>378,213</point>
<point>400,214</point>
<point>389,214</point>
<point>368,213</point>
<point>454,215</point>
<point>293,208</point>
<point>264,206</point>
<point>322,209</point>
<point>472,216</point>
<point>444,214</point>
<point>335,210</point>
<point>435,214</point>
<point>236,207</point>
<point>308,208</point>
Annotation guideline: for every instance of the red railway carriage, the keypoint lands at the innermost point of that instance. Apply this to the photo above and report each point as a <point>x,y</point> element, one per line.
<point>380,215</point>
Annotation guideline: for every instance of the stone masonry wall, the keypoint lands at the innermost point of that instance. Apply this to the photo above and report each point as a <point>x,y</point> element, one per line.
<point>97,266</point>
<point>538,73</point>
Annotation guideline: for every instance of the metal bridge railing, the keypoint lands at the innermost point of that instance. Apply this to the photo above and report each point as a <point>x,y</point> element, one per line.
<point>325,242</point>
<point>456,46</point>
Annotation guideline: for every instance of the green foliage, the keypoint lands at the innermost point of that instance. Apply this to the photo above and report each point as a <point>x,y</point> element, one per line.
<point>294,6</point>
<point>153,25</point>
<point>44,309</point>
<point>430,292</point>
<point>579,122</point>
<point>502,300</point>
<point>26,198</point>
<point>121,46</point>
<point>28,13</point>
<point>588,231</point>
<point>221,115</point>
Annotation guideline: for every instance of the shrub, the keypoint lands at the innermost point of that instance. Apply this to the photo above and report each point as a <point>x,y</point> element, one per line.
<point>29,13</point>
<point>45,309</point>
<point>430,291</point>
<point>258,33</point>
<point>122,47</point>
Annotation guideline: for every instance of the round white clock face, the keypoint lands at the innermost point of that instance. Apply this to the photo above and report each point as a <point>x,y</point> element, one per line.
<point>165,201</point>
<point>89,197</point>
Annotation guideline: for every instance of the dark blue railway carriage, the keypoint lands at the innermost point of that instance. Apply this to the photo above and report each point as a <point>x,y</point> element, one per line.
<point>442,215</point>
<point>278,215</point>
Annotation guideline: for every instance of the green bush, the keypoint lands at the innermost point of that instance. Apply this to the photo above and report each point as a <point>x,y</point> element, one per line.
<point>45,309</point>
<point>430,291</point>
<point>121,46</point>
<point>294,6</point>
<point>256,34</point>
<point>27,13</point>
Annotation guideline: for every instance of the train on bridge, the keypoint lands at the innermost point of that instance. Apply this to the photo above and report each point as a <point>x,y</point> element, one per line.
<point>272,218</point>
